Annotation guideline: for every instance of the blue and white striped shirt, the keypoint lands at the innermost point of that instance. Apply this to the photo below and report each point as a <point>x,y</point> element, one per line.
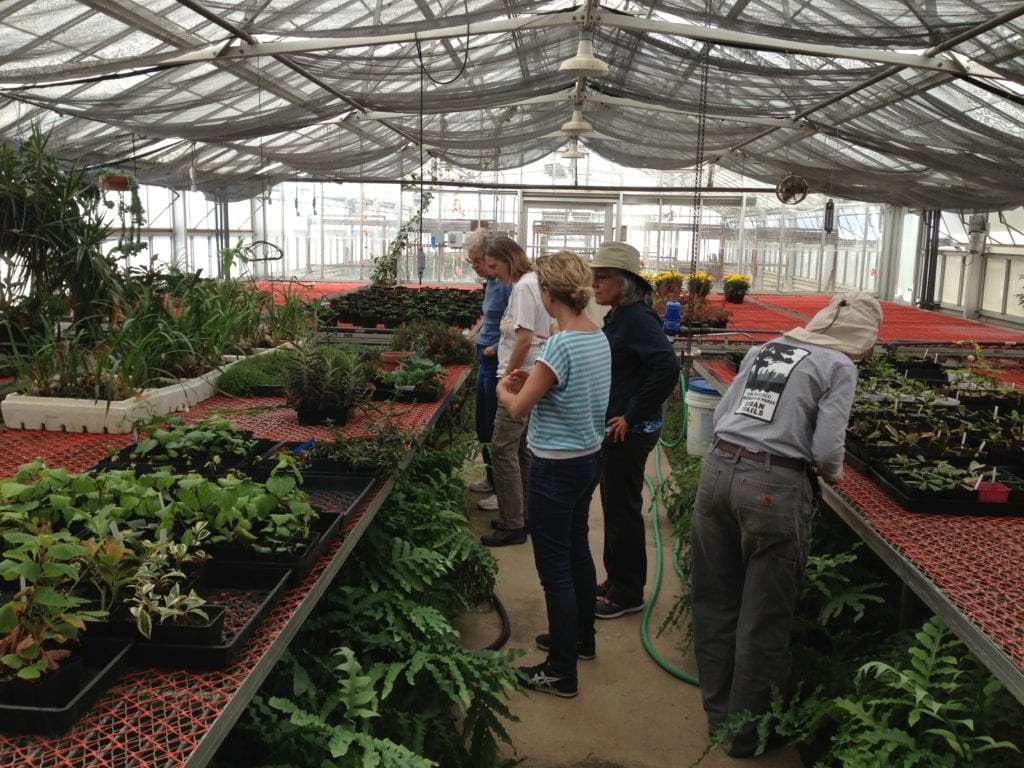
<point>569,420</point>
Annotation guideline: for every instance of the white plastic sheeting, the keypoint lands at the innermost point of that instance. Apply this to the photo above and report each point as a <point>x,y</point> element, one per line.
<point>895,101</point>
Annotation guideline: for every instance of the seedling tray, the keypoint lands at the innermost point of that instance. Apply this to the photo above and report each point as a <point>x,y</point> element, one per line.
<point>103,659</point>
<point>313,468</point>
<point>248,591</point>
<point>964,503</point>
<point>324,530</point>
<point>180,464</point>
<point>166,634</point>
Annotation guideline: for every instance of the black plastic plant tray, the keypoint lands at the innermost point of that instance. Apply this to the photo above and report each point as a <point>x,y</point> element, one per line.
<point>391,392</point>
<point>965,504</point>
<point>337,493</point>
<point>325,529</point>
<point>166,634</point>
<point>104,658</point>
<point>181,464</point>
<point>249,591</point>
<point>314,466</point>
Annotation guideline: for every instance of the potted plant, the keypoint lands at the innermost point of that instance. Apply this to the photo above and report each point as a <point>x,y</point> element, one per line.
<point>41,623</point>
<point>735,287</point>
<point>181,615</point>
<point>699,283</point>
<point>323,381</point>
<point>435,341</point>
<point>418,378</point>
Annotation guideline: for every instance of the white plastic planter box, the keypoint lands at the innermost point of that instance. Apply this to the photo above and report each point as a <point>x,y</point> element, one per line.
<point>68,414</point>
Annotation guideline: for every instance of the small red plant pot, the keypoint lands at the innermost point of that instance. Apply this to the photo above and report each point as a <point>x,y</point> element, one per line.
<point>992,492</point>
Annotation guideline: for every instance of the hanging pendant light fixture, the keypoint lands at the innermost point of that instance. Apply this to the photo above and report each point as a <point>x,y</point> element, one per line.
<point>830,216</point>
<point>579,124</point>
<point>573,152</point>
<point>584,63</point>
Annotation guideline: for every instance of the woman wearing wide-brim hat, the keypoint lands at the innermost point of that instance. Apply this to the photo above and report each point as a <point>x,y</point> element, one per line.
<point>645,370</point>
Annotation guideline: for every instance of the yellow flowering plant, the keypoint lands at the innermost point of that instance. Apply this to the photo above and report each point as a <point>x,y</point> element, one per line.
<point>735,287</point>
<point>736,282</point>
<point>699,283</point>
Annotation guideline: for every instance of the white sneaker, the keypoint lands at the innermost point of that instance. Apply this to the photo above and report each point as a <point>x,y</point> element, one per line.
<point>481,486</point>
<point>489,504</point>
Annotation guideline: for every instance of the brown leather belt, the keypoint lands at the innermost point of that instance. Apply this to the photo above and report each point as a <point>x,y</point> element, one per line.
<point>765,458</point>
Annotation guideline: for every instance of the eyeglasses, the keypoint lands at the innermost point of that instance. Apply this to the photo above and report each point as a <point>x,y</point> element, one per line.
<point>601,275</point>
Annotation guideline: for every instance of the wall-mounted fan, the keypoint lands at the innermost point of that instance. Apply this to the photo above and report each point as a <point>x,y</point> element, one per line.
<point>791,189</point>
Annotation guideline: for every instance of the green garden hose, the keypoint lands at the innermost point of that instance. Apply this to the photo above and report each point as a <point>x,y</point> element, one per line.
<point>659,559</point>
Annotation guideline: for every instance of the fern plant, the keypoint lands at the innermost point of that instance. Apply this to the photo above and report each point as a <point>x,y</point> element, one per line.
<point>377,675</point>
<point>925,711</point>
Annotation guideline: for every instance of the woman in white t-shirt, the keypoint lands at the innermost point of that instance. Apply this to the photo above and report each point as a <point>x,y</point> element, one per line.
<point>524,327</point>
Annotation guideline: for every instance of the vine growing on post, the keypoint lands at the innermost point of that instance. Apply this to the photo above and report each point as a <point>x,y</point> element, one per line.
<point>385,266</point>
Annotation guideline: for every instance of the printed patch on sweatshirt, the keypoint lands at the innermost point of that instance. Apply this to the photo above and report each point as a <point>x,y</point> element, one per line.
<point>768,378</point>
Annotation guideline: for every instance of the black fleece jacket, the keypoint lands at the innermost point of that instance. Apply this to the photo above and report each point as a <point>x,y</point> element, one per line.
<point>645,367</point>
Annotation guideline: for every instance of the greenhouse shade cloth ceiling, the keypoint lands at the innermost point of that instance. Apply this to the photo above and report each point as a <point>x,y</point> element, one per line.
<point>893,101</point>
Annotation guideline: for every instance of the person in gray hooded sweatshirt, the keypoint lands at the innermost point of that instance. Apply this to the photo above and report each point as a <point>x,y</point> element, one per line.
<point>784,416</point>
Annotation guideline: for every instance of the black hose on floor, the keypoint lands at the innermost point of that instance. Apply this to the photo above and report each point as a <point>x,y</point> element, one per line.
<point>506,625</point>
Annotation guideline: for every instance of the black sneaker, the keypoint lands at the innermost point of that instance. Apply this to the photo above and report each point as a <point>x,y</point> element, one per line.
<point>607,608</point>
<point>502,537</point>
<point>585,652</point>
<point>541,678</point>
<point>602,588</point>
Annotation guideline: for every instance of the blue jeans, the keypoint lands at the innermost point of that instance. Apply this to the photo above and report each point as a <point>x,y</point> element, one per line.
<point>559,505</point>
<point>486,404</point>
<point>750,542</point>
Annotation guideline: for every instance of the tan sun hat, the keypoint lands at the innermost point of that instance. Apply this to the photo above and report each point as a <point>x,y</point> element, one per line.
<point>849,324</point>
<point>623,256</point>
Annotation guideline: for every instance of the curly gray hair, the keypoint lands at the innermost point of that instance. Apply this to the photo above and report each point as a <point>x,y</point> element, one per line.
<point>478,240</point>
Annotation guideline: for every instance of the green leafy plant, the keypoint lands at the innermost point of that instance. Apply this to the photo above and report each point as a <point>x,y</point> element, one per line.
<point>926,710</point>
<point>435,341</point>
<point>935,475</point>
<point>245,376</point>
<point>384,447</point>
<point>377,675</point>
<point>158,594</point>
<point>171,437</point>
<point>51,238</point>
<point>418,372</point>
<point>40,625</point>
<point>275,516</point>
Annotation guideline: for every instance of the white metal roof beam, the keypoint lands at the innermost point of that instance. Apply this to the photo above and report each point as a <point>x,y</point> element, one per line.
<point>242,48</point>
<point>617,21</point>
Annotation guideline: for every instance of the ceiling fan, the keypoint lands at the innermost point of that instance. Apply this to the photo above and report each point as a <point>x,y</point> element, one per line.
<point>791,189</point>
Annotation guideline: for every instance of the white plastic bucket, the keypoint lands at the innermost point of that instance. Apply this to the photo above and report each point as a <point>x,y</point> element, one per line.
<point>701,399</point>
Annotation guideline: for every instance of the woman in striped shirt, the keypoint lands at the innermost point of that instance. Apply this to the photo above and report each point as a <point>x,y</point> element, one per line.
<point>566,395</point>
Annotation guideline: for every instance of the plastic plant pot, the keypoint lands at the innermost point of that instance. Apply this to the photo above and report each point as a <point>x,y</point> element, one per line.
<point>992,492</point>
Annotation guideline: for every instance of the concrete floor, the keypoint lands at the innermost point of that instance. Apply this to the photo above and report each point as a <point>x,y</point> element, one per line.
<point>630,713</point>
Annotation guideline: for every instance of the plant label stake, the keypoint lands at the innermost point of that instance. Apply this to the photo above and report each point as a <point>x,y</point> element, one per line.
<point>963,439</point>
<point>115,532</point>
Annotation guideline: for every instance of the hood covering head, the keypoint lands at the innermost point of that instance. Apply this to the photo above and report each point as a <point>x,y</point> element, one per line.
<point>621,256</point>
<point>848,324</point>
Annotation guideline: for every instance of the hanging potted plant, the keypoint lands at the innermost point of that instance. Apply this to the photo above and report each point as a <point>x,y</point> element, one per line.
<point>735,287</point>
<point>128,207</point>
